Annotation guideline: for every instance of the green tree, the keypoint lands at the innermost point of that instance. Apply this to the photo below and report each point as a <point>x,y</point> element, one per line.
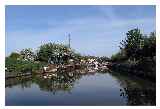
<point>14,55</point>
<point>57,52</point>
<point>118,57</point>
<point>132,44</point>
<point>149,49</point>
<point>27,54</point>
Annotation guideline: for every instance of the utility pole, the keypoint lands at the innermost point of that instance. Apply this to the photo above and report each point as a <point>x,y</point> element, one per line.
<point>69,40</point>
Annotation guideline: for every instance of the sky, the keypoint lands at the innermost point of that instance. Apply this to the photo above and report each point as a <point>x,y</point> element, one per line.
<point>95,30</point>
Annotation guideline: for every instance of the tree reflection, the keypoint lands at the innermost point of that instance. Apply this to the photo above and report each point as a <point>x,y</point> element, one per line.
<point>63,81</point>
<point>133,90</point>
<point>137,96</point>
<point>24,82</point>
<point>136,91</point>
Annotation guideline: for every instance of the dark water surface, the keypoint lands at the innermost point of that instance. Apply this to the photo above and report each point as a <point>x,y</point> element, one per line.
<point>77,89</point>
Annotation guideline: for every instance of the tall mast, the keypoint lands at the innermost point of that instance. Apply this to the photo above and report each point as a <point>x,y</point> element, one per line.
<point>69,40</point>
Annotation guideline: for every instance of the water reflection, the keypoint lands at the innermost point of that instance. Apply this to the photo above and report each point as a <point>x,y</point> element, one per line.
<point>132,90</point>
<point>136,96</point>
<point>136,91</point>
<point>62,82</point>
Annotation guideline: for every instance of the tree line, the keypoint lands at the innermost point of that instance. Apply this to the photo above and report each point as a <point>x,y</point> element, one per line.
<point>136,46</point>
<point>137,54</point>
<point>27,59</point>
<point>136,49</point>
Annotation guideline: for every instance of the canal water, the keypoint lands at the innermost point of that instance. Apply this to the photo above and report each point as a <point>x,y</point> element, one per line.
<point>109,88</point>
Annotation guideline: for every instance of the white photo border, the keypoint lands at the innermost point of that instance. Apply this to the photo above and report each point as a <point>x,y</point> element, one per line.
<point>3,3</point>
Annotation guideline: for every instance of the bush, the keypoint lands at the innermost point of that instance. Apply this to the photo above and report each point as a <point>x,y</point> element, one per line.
<point>118,57</point>
<point>14,65</point>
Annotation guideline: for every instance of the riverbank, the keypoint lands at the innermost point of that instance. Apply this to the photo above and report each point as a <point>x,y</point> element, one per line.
<point>144,71</point>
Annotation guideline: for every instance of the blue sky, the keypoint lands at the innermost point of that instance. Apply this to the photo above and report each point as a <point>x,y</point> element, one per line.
<point>95,30</point>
